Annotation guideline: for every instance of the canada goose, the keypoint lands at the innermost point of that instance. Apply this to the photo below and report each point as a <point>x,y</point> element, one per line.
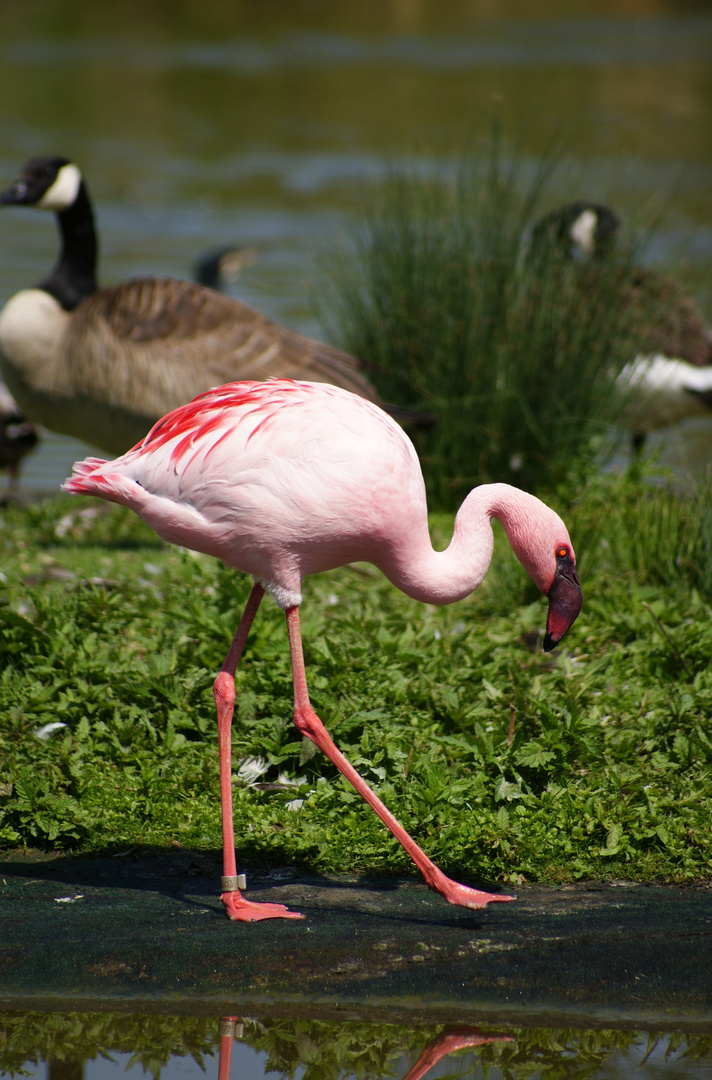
<point>17,437</point>
<point>103,365</point>
<point>670,378</point>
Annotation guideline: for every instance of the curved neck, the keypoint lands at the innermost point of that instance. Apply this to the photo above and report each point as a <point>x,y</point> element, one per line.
<point>441,577</point>
<point>73,277</point>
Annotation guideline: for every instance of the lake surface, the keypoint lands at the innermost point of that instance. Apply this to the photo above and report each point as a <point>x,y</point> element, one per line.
<point>204,123</point>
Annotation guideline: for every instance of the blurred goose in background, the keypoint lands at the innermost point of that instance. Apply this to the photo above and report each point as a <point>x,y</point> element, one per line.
<point>216,268</point>
<point>577,230</point>
<point>671,376</point>
<point>104,364</point>
<point>17,437</point>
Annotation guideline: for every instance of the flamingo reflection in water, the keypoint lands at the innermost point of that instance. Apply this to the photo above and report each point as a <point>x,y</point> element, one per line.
<point>449,1041</point>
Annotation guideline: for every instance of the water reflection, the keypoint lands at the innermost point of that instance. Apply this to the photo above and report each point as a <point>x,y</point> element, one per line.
<point>100,1046</point>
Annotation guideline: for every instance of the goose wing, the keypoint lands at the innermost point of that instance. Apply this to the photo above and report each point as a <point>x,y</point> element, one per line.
<point>149,345</point>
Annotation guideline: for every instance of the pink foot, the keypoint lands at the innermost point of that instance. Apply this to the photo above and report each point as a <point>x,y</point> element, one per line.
<point>248,911</point>
<point>463,896</point>
<point>448,1043</point>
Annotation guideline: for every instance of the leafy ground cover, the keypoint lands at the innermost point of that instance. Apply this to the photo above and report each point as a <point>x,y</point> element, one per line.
<point>504,763</point>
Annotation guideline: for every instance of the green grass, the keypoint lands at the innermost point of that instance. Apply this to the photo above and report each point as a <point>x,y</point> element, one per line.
<point>608,772</point>
<point>515,351</point>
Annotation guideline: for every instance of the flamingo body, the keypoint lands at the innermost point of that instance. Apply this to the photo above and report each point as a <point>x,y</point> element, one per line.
<point>254,473</point>
<point>284,479</point>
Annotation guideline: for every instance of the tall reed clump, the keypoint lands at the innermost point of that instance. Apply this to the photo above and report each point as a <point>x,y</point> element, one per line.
<point>516,352</point>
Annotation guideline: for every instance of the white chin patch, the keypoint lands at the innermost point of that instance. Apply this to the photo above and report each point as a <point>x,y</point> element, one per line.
<point>63,191</point>
<point>583,231</point>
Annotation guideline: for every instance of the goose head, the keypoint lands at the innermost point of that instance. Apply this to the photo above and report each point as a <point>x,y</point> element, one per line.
<point>46,183</point>
<point>578,230</point>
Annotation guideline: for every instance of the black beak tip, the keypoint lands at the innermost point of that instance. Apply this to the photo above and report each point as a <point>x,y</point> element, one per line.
<point>14,195</point>
<point>549,643</point>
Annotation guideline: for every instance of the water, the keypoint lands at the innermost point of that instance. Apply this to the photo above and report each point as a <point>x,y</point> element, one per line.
<point>267,125</point>
<point>112,1046</point>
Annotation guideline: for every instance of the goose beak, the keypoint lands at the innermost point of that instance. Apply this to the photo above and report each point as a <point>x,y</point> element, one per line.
<point>16,194</point>
<point>565,599</point>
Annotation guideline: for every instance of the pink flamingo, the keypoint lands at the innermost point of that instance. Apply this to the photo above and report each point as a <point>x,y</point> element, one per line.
<point>283,479</point>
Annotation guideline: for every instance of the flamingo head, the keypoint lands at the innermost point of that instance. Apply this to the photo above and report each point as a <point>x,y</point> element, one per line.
<point>541,542</point>
<point>565,597</point>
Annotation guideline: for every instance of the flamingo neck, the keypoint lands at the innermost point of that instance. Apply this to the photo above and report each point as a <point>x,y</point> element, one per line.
<point>441,577</point>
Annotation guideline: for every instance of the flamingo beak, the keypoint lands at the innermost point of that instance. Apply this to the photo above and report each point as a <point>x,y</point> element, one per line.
<point>565,599</point>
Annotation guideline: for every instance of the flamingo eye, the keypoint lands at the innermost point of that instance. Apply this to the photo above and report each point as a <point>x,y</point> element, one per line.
<point>562,553</point>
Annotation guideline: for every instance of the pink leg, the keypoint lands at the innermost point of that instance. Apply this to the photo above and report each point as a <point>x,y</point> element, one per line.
<point>227,1028</point>
<point>224,692</point>
<point>447,1043</point>
<point>310,725</point>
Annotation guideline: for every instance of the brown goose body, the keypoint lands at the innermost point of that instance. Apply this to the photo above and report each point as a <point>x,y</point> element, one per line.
<point>667,320</point>
<point>104,364</point>
<point>106,371</point>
